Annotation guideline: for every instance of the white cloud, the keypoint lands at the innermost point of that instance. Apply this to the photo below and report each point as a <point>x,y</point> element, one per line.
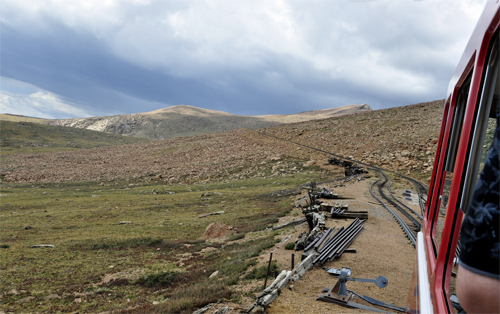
<point>383,47</point>
<point>41,104</point>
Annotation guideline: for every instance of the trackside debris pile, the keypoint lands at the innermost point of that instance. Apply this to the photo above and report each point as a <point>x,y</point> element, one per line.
<point>319,244</point>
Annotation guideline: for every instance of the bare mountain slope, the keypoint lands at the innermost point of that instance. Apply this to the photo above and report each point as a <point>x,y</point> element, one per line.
<point>180,121</point>
<point>317,114</point>
<point>402,138</point>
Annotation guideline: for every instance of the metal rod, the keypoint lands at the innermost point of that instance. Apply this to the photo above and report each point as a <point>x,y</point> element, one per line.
<point>268,268</point>
<point>323,237</point>
<point>333,248</point>
<point>293,260</point>
<point>311,244</point>
<point>340,239</point>
<point>329,241</point>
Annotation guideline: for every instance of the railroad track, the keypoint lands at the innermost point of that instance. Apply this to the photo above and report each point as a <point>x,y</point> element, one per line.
<point>403,205</point>
<point>422,191</point>
<point>408,222</point>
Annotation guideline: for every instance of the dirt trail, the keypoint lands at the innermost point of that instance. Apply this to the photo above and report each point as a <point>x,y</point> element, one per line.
<point>382,250</point>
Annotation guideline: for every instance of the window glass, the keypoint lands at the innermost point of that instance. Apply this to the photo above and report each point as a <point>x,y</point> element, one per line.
<point>450,156</point>
<point>481,139</point>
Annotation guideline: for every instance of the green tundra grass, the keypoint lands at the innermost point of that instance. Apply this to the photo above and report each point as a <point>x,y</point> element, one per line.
<point>27,137</point>
<point>82,221</point>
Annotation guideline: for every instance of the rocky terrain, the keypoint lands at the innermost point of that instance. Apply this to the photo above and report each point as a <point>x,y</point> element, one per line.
<point>402,139</point>
<point>179,121</point>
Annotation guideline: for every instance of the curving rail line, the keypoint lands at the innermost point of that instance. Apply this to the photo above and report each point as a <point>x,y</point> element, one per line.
<point>420,187</point>
<point>403,205</point>
<point>406,229</point>
<point>417,224</point>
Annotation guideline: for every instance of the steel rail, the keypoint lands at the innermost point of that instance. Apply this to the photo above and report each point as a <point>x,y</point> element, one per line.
<point>420,187</point>
<point>330,240</point>
<point>345,244</point>
<point>408,208</point>
<point>336,248</point>
<point>403,224</point>
<point>325,235</point>
<point>340,240</point>
<point>417,184</point>
<point>404,212</point>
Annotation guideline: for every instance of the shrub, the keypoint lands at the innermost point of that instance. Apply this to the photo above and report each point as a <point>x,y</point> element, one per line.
<point>290,246</point>
<point>236,236</point>
<point>261,272</point>
<point>163,279</point>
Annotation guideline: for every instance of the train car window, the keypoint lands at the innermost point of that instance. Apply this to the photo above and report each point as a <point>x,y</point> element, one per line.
<point>450,151</point>
<point>484,126</point>
<point>480,140</point>
<point>456,129</point>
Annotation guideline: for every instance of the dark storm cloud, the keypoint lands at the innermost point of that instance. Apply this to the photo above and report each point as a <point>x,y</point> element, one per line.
<point>82,70</point>
<point>263,57</point>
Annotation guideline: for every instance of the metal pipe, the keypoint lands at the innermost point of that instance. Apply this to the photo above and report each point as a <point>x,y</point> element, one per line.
<point>346,235</point>
<point>268,268</point>
<point>340,239</point>
<point>293,260</point>
<point>330,240</point>
<point>311,244</point>
<point>323,237</point>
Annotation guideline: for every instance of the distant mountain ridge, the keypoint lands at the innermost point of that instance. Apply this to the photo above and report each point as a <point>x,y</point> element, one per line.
<point>183,120</point>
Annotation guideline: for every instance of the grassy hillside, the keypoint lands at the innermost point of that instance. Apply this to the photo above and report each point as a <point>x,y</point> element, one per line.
<point>19,118</point>
<point>125,220</point>
<point>28,137</point>
<point>154,263</point>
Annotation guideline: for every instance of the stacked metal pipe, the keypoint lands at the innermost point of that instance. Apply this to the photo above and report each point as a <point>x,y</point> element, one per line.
<point>339,242</point>
<point>320,238</point>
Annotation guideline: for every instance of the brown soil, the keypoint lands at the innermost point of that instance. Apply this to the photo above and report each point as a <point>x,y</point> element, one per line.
<point>382,138</point>
<point>402,139</point>
<point>382,250</point>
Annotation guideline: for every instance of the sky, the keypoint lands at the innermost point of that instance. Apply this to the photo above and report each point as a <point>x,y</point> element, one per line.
<point>75,59</point>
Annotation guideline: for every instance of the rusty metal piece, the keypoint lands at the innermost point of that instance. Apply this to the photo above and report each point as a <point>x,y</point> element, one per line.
<point>349,304</point>
<point>268,268</point>
<point>325,235</point>
<point>341,296</point>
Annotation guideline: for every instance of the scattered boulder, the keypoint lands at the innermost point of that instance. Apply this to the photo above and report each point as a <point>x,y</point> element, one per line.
<point>309,163</point>
<point>25,300</point>
<point>51,297</point>
<point>36,246</point>
<point>215,230</point>
<point>405,153</point>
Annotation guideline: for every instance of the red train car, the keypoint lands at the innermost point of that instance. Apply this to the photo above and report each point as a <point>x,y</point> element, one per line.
<point>466,133</point>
